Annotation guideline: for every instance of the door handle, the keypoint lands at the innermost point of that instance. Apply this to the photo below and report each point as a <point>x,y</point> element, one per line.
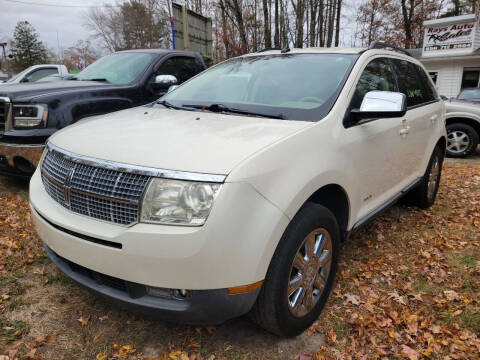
<point>433,118</point>
<point>405,131</point>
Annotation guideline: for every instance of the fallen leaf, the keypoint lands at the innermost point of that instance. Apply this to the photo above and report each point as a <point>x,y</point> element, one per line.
<point>331,337</point>
<point>83,321</point>
<point>410,353</point>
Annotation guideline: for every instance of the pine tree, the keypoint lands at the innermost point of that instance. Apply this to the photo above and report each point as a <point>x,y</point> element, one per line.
<point>27,49</point>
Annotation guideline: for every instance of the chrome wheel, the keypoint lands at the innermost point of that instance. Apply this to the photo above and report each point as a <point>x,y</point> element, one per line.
<point>309,272</point>
<point>433,177</point>
<point>457,141</point>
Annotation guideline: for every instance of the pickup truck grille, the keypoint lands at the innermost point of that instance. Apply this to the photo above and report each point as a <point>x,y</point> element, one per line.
<point>94,191</point>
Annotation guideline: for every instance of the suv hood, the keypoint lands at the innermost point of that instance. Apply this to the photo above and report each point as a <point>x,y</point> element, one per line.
<point>174,139</point>
<point>28,91</point>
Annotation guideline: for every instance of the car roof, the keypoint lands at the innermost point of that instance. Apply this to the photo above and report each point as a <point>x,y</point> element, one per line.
<point>339,50</point>
<point>156,51</point>
<point>334,50</point>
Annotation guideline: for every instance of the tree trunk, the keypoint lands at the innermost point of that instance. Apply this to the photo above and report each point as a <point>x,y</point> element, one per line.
<point>266,25</point>
<point>407,21</point>
<point>456,7</point>
<point>320,23</point>
<point>337,23</point>
<point>276,38</point>
<point>331,17</point>
<point>238,14</point>
<point>299,9</point>
<point>313,20</point>
<point>225,38</point>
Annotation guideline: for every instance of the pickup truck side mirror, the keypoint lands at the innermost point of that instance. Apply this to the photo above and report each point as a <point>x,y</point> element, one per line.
<point>163,82</point>
<point>380,104</point>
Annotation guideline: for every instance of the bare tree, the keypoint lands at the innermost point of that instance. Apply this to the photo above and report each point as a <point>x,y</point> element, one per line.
<point>135,24</point>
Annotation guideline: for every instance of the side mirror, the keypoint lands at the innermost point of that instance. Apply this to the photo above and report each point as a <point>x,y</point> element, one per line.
<point>165,81</point>
<point>380,104</point>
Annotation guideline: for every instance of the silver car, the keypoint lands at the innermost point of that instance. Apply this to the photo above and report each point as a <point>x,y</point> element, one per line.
<point>463,127</point>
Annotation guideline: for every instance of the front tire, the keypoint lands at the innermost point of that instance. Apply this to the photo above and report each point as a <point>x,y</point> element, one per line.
<point>301,273</point>
<point>462,140</point>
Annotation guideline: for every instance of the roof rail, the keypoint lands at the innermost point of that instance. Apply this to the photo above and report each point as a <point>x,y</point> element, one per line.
<point>268,49</point>
<point>379,44</point>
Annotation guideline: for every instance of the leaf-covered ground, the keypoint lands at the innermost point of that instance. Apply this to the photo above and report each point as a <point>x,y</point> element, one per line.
<point>408,287</point>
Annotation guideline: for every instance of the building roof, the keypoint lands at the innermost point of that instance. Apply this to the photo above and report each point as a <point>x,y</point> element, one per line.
<point>449,20</point>
<point>417,54</point>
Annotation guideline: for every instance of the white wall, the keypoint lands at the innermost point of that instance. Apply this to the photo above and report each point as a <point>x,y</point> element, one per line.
<point>450,73</point>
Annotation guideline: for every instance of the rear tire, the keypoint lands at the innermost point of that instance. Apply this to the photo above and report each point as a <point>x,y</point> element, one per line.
<point>462,140</point>
<point>301,273</point>
<point>425,194</point>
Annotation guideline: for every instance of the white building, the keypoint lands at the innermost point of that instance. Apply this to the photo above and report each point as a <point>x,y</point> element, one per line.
<point>451,53</point>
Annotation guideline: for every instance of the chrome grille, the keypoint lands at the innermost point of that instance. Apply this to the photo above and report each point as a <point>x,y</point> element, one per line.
<point>3,115</point>
<point>105,194</point>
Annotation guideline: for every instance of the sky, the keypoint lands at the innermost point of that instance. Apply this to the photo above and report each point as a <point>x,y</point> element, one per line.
<point>60,25</point>
<point>48,21</point>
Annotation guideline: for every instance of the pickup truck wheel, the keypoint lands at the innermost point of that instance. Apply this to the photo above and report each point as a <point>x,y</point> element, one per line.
<point>462,140</point>
<point>424,195</point>
<point>301,273</point>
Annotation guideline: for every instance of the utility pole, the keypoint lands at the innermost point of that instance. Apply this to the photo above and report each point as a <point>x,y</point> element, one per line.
<point>172,25</point>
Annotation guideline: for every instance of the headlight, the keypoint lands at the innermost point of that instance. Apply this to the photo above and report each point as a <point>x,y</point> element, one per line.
<point>178,202</point>
<point>29,115</point>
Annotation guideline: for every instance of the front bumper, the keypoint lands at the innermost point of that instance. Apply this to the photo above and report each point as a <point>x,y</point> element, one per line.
<point>19,159</point>
<point>233,248</point>
<point>199,307</point>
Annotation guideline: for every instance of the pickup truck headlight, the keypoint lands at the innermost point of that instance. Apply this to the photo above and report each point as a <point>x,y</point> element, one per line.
<point>178,202</point>
<point>29,115</point>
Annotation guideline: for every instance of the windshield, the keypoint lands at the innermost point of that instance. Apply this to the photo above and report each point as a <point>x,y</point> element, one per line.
<point>14,77</point>
<point>470,94</point>
<point>288,86</point>
<point>120,68</point>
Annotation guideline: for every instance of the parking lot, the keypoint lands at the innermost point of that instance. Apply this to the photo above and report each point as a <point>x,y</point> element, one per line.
<point>408,286</point>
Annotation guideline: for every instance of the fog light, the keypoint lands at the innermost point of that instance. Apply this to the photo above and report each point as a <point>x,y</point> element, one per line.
<point>159,292</point>
<point>180,293</point>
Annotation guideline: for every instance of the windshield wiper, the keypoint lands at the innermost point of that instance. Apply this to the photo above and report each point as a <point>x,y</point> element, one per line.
<point>169,105</point>
<point>97,79</point>
<point>222,108</point>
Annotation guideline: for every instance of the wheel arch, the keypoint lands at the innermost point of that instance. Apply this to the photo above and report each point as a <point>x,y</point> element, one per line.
<point>334,198</point>
<point>474,123</point>
<point>442,142</point>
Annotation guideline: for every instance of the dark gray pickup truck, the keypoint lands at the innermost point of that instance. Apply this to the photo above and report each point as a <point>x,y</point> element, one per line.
<point>31,112</point>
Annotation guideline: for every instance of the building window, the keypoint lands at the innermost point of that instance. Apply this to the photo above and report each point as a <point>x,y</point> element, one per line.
<point>434,76</point>
<point>470,77</point>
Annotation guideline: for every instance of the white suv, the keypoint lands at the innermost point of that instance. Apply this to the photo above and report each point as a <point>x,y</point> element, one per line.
<point>233,192</point>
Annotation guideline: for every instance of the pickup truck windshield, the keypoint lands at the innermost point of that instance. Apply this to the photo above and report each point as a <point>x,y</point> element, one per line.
<point>120,68</point>
<point>284,86</point>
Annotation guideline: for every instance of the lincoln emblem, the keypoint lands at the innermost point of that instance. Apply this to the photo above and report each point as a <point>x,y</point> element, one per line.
<point>66,186</point>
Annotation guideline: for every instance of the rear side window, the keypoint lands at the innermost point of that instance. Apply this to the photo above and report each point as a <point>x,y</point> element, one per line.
<point>430,93</point>
<point>41,73</point>
<point>378,75</point>
<point>182,67</point>
<point>409,82</point>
